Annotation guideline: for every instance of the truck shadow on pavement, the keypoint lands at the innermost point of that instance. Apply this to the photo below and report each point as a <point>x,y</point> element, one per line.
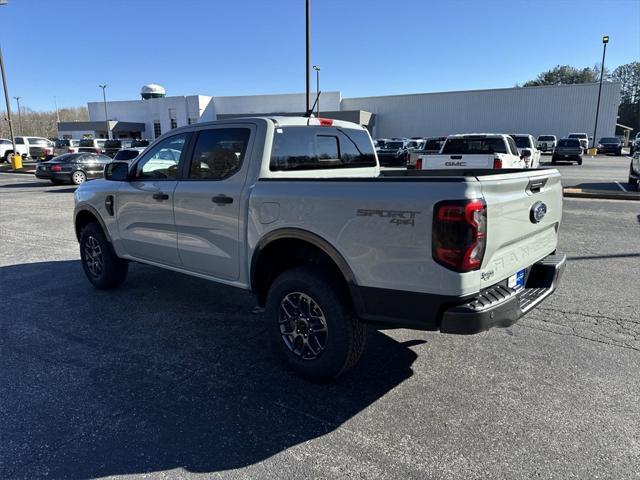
<point>167,372</point>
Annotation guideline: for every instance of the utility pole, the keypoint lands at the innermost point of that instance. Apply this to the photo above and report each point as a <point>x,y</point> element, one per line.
<point>106,118</point>
<point>317,69</point>
<point>605,40</point>
<point>55,101</point>
<point>6,98</point>
<point>19,116</point>
<point>308,113</point>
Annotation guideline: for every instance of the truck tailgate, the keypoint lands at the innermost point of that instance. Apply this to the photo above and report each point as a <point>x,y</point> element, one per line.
<point>431,162</point>
<point>515,237</point>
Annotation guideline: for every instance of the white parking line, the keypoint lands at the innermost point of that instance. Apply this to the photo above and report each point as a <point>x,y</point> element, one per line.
<point>623,189</point>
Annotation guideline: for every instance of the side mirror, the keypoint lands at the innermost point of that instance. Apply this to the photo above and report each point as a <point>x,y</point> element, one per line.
<point>117,171</point>
<point>526,153</point>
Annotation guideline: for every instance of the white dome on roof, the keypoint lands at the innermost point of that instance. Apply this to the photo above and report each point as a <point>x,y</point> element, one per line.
<point>152,90</point>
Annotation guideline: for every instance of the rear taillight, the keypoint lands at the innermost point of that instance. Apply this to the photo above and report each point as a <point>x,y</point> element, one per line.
<point>98,150</point>
<point>459,234</point>
<point>419,163</point>
<point>497,163</point>
<point>56,168</point>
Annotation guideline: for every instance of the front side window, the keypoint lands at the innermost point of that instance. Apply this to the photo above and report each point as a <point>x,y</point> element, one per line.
<point>317,148</point>
<point>19,141</point>
<point>218,153</point>
<point>162,161</point>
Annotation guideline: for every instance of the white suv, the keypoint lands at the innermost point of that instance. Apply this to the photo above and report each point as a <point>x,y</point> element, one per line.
<point>547,143</point>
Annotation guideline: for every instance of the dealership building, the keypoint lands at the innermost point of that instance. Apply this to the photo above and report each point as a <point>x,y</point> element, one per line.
<point>549,110</point>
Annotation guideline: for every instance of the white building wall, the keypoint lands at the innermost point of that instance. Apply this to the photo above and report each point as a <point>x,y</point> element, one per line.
<point>277,103</point>
<point>147,111</point>
<point>556,110</point>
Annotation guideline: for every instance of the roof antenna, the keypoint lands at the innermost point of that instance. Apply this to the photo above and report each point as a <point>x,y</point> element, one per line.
<point>313,107</point>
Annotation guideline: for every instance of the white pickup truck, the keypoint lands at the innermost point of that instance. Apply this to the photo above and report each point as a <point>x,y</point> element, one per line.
<point>297,211</point>
<point>36,148</point>
<point>476,150</point>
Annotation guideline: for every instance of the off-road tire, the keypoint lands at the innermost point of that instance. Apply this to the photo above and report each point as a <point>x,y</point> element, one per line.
<point>113,270</point>
<point>346,334</point>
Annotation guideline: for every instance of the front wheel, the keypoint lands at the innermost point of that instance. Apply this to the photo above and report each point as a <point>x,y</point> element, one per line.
<point>579,161</point>
<point>313,328</point>
<point>101,265</point>
<point>78,177</point>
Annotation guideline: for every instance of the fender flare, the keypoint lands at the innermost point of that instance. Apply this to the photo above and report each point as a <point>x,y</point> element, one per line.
<point>94,212</point>
<point>304,235</point>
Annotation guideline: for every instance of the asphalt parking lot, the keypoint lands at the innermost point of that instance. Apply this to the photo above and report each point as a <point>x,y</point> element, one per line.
<point>602,172</point>
<point>170,376</point>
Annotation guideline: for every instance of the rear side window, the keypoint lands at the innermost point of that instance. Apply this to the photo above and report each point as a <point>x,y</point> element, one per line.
<point>218,153</point>
<point>474,146</point>
<point>318,148</point>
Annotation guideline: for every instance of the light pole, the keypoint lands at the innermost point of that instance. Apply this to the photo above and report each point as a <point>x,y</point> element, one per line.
<point>605,40</point>
<point>8,102</point>
<point>317,69</point>
<point>19,115</point>
<point>104,101</point>
<point>308,14</point>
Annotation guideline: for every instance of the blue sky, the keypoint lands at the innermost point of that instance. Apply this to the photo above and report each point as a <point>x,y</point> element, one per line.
<point>65,48</point>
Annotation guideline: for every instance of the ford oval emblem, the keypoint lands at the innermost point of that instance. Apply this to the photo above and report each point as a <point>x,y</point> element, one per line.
<point>538,211</point>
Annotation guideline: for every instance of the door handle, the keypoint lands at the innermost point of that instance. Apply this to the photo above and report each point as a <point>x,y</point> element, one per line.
<point>160,196</point>
<point>222,200</point>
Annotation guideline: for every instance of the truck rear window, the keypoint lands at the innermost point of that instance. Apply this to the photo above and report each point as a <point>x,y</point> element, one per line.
<point>474,146</point>
<point>317,148</point>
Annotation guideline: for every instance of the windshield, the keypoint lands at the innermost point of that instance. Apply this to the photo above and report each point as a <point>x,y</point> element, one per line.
<point>86,143</point>
<point>474,146</point>
<point>433,144</point>
<point>568,143</point>
<point>522,142</point>
<point>578,135</point>
<point>609,140</point>
<point>546,138</point>
<point>393,145</point>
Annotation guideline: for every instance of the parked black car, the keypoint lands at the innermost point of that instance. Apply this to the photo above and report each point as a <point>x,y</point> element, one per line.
<point>111,147</point>
<point>610,145</point>
<point>139,143</point>
<point>392,154</point>
<point>75,168</point>
<point>569,149</point>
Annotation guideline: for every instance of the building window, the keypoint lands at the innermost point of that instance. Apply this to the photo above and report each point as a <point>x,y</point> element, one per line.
<point>192,120</point>
<point>172,118</point>
<point>157,130</point>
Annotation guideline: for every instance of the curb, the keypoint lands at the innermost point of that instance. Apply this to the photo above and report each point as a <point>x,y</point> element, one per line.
<point>21,170</point>
<point>579,193</point>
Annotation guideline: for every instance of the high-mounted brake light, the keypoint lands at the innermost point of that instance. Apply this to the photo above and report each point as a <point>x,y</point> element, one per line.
<point>323,122</point>
<point>497,163</point>
<point>419,163</point>
<point>459,234</point>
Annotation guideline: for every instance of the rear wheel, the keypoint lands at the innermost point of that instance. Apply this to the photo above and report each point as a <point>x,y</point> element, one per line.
<point>78,177</point>
<point>7,156</point>
<point>101,265</point>
<point>313,328</point>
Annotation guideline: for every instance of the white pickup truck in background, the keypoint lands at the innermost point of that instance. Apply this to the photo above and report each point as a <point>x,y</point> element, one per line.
<point>527,142</point>
<point>476,150</point>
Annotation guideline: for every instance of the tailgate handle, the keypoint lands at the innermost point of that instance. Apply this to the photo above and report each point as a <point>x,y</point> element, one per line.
<point>536,185</point>
<point>456,157</point>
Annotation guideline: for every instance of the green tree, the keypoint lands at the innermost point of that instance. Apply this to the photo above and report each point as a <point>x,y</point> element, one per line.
<point>629,76</point>
<point>565,74</point>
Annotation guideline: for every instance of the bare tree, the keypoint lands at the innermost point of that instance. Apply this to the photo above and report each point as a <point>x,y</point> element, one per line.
<point>43,123</point>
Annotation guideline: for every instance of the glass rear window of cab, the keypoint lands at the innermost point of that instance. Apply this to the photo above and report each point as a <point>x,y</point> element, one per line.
<point>474,146</point>
<point>318,148</point>
<point>569,143</point>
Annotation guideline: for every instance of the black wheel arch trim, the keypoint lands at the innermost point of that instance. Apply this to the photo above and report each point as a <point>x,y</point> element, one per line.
<point>94,212</point>
<point>315,240</point>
